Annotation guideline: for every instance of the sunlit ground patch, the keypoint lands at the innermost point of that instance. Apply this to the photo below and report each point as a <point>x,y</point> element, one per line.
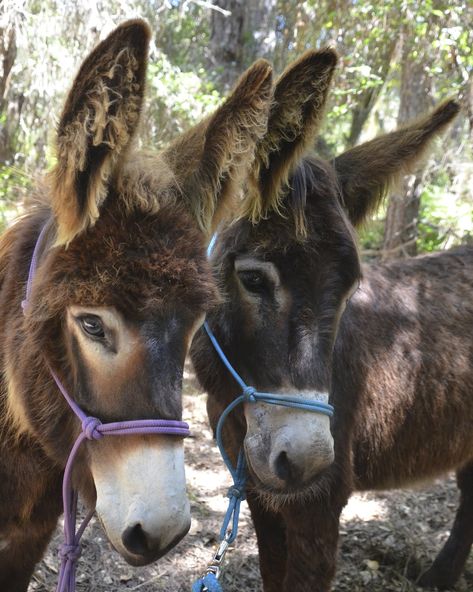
<point>361,507</point>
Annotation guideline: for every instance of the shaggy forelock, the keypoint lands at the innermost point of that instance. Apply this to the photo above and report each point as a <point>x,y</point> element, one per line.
<point>137,262</point>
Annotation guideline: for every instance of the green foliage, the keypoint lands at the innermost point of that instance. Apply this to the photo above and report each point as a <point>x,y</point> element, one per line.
<point>177,99</point>
<point>14,185</point>
<point>370,237</point>
<point>445,218</point>
<point>183,35</point>
<point>183,79</point>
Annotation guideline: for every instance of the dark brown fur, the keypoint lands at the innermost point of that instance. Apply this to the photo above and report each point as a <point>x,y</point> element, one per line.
<point>397,363</point>
<point>127,233</point>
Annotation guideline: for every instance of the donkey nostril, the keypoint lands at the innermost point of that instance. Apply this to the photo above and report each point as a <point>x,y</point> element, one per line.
<point>135,540</point>
<point>285,469</point>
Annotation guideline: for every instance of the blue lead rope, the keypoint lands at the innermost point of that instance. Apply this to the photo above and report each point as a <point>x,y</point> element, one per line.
<point>236,493</point>
<point>209,582</point>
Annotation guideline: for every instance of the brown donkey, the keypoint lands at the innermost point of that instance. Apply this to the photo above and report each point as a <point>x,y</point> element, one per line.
<point>121,286</point>
<point>396,363</point>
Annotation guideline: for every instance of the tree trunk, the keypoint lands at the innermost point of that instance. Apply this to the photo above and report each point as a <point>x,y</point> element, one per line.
<point>7,59</point>
<point>369,97</point>
<point>400,231</point>
<point>226,40</point>
<point>469,105</point>
<point>259,30</point>
<point>240,33</point>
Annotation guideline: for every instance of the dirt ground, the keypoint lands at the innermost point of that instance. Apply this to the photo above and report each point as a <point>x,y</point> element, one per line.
<point>386,538</point>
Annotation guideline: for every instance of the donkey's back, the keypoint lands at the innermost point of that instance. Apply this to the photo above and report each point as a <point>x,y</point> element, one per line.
<point>412,368</point>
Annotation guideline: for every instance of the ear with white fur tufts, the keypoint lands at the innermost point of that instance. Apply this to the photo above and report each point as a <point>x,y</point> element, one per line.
<point>366,171</point>
<point>211,159</point>
<point>300,95</point>
<point>97,125</point>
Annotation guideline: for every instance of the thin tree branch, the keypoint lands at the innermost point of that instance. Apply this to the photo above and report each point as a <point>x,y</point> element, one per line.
<point>205,4</point>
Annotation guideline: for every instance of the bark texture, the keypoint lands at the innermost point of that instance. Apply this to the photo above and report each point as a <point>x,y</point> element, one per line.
<point>400,232</point>
<point>7,59</point>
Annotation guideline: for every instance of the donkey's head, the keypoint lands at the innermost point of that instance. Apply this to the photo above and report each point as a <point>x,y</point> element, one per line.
<point>288,277</point>
<point>123,284</point>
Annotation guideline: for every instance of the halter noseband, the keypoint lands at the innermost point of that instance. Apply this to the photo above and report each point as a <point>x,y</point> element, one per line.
<point>91,429</point>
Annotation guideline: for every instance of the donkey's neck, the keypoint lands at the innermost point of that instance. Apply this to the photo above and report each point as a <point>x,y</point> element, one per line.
<point>30,486</point>
<point>29,482</point>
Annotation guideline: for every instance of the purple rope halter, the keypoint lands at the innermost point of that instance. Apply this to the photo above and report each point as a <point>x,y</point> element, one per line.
<point>92,429</point>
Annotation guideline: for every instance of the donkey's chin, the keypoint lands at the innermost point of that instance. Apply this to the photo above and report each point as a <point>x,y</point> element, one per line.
<point>275,500</point>
<point>275,497</point>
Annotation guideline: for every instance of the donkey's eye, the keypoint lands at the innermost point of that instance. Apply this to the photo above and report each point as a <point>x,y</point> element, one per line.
<point>253,280</point>
<point>92,325</point>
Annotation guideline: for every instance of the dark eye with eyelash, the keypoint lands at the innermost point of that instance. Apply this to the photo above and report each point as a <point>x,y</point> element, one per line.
<point>254,281</point>
<point>92,326</point>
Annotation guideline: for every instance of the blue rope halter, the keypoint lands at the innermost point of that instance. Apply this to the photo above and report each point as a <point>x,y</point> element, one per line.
<point>209,582</point>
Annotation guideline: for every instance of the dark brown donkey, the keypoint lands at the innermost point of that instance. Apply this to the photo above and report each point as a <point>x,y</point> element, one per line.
<point>121,287</point>
<point>397,364</point>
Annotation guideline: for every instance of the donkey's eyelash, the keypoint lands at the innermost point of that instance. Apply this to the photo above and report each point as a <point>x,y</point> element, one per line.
<point>92,326</point>
<point>255,281</point>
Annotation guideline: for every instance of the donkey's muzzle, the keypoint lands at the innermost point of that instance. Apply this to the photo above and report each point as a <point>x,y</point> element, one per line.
<point>287,448</point>
<point>141,494</point>
<point>143,548</point>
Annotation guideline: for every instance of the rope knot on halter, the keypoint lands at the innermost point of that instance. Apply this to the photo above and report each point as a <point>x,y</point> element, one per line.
<point>249,393</point>
<point>237,492</point>
<point>69,552</point>
<point>90,427</point>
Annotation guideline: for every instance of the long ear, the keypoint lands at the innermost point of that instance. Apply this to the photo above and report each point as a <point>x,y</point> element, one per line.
<point>97,125</point>
<point>211,159</point>
<point>300,95</point>
<point>366,171</point>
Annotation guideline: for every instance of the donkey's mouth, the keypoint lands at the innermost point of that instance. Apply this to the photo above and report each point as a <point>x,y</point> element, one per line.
<point>277,499</point>
<point>280,492</point>
<point>147,557</point>
<point>139,560</point>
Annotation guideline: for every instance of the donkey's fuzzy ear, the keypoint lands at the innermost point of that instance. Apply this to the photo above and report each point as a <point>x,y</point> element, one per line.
<point>366,172</point>
<point>211,159</point>
<point>300,94</point>
<point>97,125</point>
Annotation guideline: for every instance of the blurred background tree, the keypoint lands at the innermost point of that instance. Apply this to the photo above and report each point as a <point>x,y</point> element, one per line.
<point>398,59</point>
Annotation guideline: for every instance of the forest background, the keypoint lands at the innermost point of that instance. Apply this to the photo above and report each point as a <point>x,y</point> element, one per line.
<point>399,58</point>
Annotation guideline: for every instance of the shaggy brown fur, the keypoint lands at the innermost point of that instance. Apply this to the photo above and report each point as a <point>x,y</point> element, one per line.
<point>296,113</point>
<point>97,125</point>
<point>212,158</point>
<point>126,233</point>
<point>397,363</point>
